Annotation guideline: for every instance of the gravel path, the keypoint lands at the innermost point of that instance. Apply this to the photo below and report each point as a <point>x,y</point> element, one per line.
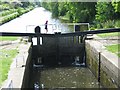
<point>108,40</point>
<point>9,44</point>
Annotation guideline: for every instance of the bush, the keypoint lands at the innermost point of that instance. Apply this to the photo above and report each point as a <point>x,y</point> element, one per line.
<point>4,7</point>
<point>7,12</point>
<point>20,10</point>
<point>9,17</point>
<point>117,23</point>
<point>109,24</point>
<point>92,27</point>
<point>11,14</point>
<point>24,10</point>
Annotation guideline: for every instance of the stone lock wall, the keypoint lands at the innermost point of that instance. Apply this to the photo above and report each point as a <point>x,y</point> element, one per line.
<point>27,72</point>
<point>109,69</point>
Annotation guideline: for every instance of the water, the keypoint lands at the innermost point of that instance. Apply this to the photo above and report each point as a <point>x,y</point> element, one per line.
<point>27,22</point>
<point>65,77</point>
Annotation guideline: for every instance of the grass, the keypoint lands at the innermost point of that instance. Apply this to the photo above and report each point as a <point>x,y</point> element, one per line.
<point>114,49</point>
<point>6,57</point>
<point>108,34</point>
<point>6,38</point>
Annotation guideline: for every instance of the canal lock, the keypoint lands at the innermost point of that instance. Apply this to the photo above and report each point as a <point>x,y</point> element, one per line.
<point>56,58</point>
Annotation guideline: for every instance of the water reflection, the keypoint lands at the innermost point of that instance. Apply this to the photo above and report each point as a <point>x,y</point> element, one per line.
<point>27,22</point>
<point>37,17</point>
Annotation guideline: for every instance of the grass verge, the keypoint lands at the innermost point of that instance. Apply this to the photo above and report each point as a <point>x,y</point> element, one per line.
<point>6,38</point>
<point>114,49</point>
<point>6,57</point>
<point>108,34</point>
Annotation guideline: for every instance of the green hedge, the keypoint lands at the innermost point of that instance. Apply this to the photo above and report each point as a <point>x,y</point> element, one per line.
<point>9,17</point>
<point>12,14</point>
<point>4,7</point>
<point>7,12</point>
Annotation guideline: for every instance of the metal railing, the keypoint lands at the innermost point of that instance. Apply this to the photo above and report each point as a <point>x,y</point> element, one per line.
<point>63,27</point>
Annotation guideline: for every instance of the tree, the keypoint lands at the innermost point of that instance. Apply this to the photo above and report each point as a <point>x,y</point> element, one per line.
<point>105,11</point>
<point>55,11</point>
<point>82,11</point>
<point>62,8</point>
<point>116,5</point>
<point>76,11</point>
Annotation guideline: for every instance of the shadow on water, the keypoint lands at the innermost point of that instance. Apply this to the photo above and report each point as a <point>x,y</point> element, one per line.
<point>64,77</point>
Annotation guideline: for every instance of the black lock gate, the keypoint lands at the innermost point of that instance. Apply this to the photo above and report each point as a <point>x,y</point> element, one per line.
<point>60,50</point>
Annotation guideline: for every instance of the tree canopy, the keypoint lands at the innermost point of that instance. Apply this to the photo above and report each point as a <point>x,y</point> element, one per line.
<point>90,12</point>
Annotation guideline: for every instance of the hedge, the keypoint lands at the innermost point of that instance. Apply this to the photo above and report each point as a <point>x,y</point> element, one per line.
<point>16,13</point>
<point>9,17</point>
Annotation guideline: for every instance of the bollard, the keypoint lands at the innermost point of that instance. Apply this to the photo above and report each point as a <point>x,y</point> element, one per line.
<point>77,28</point>
<point>38,30</point>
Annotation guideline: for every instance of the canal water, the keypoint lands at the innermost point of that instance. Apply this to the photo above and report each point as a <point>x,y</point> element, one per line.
<point>64,77</point>
<point>37,17</point>
<point>57,77</point>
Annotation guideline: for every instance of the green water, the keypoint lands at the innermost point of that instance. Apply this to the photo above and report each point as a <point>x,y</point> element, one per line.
<point>66,77</point>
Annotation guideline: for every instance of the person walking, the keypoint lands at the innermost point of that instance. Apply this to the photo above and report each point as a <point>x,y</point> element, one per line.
<point>46,28</point>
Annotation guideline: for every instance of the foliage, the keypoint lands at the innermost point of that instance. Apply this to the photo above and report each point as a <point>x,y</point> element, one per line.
<point>100,14</point>
<point>5,7</point>
<point>106,16</point>
<point>104,11</point>
<point>46,5</point>
<point>71,9</point>
<point>85,11</point>
<point>25,4</point>
<point>6,12</point>
<point>6,57</point>
<point>11,10</point>
<point>109,24</point>
<point>116,5</point>
<point>117,23</point>
<point>62,8</point>
<point>11,14</point>
<point>55,12</point>
<point>9,17</point>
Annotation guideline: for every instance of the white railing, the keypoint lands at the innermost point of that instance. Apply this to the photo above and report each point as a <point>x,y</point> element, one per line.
<point>56,27</point>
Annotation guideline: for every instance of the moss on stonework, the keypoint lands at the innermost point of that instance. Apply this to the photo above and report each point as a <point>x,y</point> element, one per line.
<point>106,81</point>
<point>92,63</point>
<point>96,69</point>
